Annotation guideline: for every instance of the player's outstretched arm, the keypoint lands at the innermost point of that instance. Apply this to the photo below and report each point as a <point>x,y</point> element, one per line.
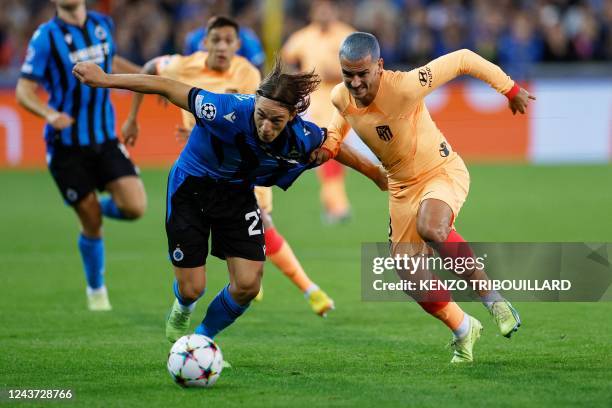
<point>92,75</point>
<point>351,158</point>
<point>419,82</point>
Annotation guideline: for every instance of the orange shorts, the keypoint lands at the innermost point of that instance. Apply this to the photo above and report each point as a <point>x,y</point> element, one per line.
<point>264,198</point>
<point>449,183</point>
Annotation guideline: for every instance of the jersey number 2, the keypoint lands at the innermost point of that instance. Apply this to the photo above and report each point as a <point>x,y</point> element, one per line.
<point>253,215</point>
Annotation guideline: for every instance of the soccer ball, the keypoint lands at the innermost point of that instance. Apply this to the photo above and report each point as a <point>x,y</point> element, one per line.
<point>195,361</point>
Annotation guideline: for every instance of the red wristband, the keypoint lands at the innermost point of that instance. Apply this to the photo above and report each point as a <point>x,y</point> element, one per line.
<point>513,92</point>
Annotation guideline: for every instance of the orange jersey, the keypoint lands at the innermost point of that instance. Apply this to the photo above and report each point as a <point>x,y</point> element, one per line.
<point>396,126</point>
<point>241,77</point>
<point>313,48</point>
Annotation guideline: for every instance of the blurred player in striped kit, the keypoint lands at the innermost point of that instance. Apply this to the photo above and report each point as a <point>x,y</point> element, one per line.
<point>316,47</point>
<point>220,70</point>
<point>83,152</point>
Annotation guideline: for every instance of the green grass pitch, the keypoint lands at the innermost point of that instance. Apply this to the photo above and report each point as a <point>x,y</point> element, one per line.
<point>366,354</point>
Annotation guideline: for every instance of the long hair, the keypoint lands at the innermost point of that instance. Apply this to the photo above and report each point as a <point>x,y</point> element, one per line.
<point>290,90</point>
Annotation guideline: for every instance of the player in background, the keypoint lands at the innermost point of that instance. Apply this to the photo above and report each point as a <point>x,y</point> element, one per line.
<point>249,46</point>
<point>316,47</point>
<point>239,141</point>
<point>83,153</point>
<point>219,70</point>
<point>428,181</point>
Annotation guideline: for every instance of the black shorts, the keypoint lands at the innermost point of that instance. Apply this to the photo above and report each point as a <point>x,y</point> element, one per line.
<point>198,207</point>
<point>79,170</point>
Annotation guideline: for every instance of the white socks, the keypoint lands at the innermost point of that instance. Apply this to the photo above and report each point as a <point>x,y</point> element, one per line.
<point>101,289</point>
<point>490,298</point>
<point>464,327</point>
<point>187,309</point>
<point>310,289</point>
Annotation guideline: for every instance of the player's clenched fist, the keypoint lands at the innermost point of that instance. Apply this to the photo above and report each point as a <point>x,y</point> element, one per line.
<point>90,74</point>
<point>129,131</point>
<point>320,155</point>
<point>519,102</point>
<point>59,120</point>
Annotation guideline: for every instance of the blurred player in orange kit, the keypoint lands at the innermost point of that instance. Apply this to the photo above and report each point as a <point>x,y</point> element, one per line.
<point>428,181</point>
<point>316,47</point>
<point>220,70</point>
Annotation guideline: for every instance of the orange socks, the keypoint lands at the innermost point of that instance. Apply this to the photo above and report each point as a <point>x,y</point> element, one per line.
<point>280,253</point>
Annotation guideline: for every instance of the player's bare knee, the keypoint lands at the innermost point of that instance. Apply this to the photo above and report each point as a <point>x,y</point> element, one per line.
<point>134,210</point>
<point>432,232</point>
<point>129,196</point>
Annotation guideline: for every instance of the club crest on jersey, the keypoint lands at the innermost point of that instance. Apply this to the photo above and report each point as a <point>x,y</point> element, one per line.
<point>72,195</point>
<point>100,33</point>
<point>384,133</point>
<point>444,151</point>
<point>178,255</point>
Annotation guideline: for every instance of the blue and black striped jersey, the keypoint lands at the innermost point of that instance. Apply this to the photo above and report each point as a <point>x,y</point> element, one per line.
<point>54,49</point>
<point>224,144</point>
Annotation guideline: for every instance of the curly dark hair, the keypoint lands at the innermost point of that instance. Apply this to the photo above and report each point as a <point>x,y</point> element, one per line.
<point>290,90</point>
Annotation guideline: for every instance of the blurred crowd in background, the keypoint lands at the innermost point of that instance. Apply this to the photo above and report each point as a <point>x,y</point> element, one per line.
<point>515,34</point>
